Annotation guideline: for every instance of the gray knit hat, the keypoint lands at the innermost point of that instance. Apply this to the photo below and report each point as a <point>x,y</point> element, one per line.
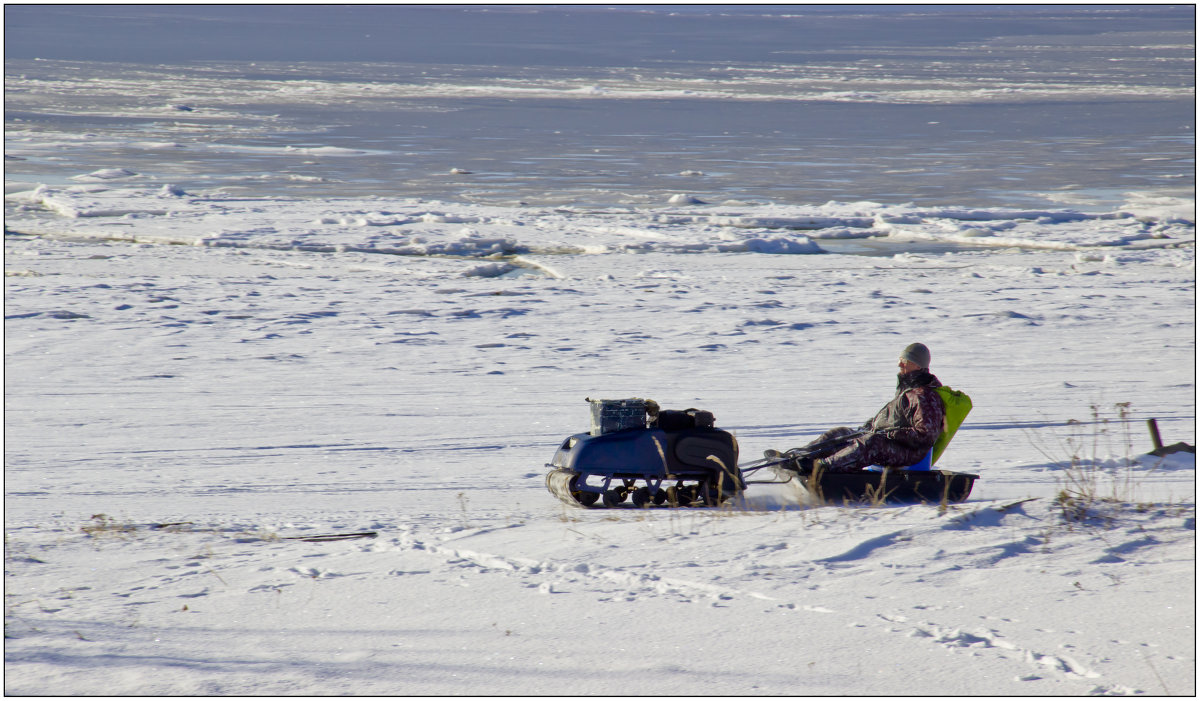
<point>916,353</point>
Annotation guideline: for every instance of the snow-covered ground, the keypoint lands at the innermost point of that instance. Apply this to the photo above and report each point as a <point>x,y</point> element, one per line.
<point>311,369</point>
<point>204,366</point>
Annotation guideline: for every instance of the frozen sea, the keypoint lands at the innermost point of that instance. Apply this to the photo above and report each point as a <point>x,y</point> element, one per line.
<point>1019,106</point>
<point>339,271</point>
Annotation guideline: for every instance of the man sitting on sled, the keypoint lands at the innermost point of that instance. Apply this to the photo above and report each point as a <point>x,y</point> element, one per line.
<point>901,434</point>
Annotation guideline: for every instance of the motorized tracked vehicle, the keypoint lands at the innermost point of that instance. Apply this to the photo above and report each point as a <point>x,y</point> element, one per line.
<point>639,453</point>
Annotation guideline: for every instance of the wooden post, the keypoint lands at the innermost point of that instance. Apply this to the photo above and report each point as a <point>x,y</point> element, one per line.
<point>1153,424</point>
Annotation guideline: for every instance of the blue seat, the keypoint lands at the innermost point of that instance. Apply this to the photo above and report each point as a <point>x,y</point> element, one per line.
<point>925,463</point>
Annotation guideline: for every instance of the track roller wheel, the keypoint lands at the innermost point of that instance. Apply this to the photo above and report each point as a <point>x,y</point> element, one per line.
<point>585,498</point>
<point>644,496</point>
<point>680,495</point>
<point>615,496</point>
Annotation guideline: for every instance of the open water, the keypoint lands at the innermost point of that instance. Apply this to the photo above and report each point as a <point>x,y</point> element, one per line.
<point>1018,106</point>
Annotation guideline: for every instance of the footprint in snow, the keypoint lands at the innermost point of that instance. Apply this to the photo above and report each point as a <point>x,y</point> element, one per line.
<point>270,587</point>
<point>310,572</point>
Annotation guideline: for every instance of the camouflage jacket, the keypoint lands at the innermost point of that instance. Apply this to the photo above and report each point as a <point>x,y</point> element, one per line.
<point>916,416</point>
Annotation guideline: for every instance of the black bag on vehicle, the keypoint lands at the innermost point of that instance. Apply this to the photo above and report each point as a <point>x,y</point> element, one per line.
<point>671,420</point>
<point>702,419</point>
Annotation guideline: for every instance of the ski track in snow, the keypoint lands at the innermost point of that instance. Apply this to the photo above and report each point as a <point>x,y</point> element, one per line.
<point>552,577</point>
<point>779,575</point>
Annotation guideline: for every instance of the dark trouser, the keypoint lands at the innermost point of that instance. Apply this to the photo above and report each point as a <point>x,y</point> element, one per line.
<point>871,449</point>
